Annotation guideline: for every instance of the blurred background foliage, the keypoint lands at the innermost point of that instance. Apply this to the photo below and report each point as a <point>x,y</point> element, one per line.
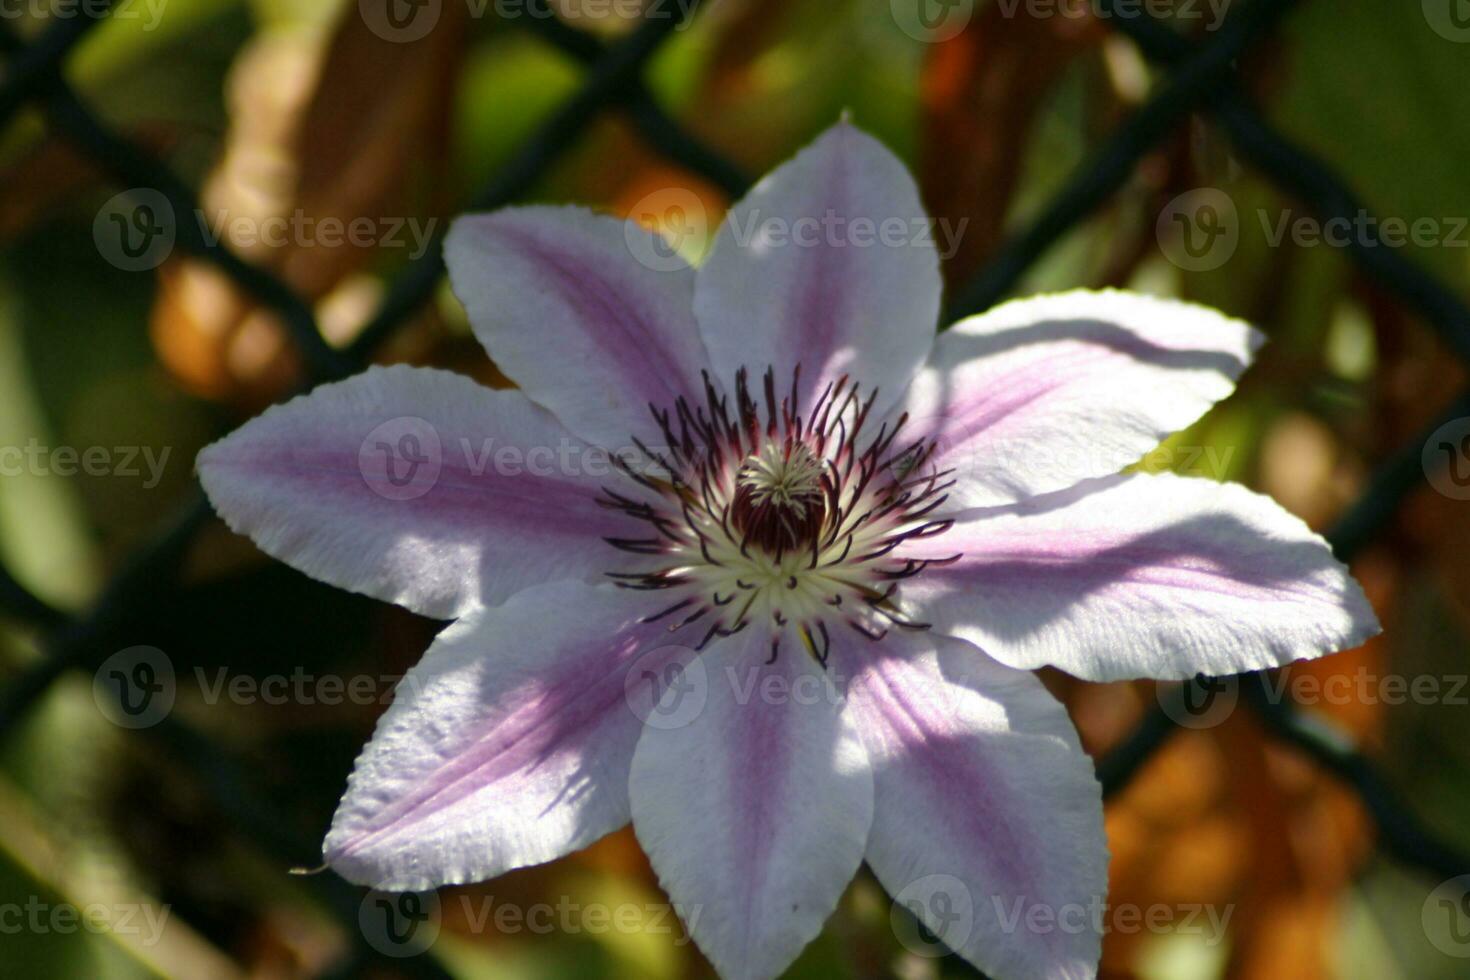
<point>269,106</point>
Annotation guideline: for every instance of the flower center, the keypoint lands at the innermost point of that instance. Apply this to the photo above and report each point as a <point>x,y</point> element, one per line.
<point>763,514</point>
<point>779,503</point>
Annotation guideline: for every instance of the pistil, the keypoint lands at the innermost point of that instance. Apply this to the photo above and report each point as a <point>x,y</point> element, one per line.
<point>768,513</point>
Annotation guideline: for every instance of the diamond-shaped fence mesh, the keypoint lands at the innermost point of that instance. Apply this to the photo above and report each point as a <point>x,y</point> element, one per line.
<point>1201,77</point>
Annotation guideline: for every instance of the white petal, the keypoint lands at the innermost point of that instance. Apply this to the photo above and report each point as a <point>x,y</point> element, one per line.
<point>418,487</point>
<point>756,813</point>
<point>1143,576</point>
<point>565,308</point>
<point>1041,393</point>
<point>798,276</point>
<point>508,745</point>
<point>987,818</point>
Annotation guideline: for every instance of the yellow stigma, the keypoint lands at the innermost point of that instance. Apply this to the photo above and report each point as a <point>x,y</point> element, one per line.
<point>787,477</point>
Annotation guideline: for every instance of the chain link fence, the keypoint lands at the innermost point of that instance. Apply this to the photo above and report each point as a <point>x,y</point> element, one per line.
<point>1201,77</point>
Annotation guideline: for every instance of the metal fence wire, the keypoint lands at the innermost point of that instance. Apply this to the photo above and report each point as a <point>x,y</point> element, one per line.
<point>1200,77</point>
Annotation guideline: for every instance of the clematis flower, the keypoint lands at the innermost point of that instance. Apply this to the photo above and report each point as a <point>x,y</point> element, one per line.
<point>771,476</point>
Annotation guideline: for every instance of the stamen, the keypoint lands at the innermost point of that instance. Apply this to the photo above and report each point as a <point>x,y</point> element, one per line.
<point>795,512</point>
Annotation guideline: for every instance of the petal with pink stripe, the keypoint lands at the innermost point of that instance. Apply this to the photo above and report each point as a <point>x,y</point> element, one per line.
<point>507,745</point>
<point>1143,576</point>
<point>987,817</point>
<point>828,263</point>
<point>1041,393</point>
<point>418,487</point>
<point>559,299</point>
<point>756,812</point>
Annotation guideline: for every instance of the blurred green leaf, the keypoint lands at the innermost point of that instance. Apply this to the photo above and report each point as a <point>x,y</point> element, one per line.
<point>43,537</point>
<point>1373,88</point>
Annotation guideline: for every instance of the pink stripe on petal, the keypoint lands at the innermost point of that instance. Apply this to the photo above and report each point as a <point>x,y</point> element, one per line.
<point>802,273</point>
<point>562,303</point>
<point>628,336</point>
<point>1143,576</point>
<point>755,812</point>
<point>916,721</point>
<point>418,487</point>
<point>818,302</point>
<point>984,804</point>
<point>508,745</point>
<point>1041,393</point>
